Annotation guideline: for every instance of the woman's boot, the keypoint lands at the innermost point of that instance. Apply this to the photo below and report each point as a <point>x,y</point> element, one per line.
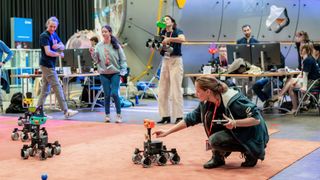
<point>216,161</point>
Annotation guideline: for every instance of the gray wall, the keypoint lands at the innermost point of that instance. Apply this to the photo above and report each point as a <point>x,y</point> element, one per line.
<point>217,21</point>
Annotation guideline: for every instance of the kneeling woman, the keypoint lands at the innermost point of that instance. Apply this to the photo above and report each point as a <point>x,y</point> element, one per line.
<point>245,130</point>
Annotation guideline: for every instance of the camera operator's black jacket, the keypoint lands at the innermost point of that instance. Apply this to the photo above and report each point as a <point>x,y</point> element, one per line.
<point>237,106</point>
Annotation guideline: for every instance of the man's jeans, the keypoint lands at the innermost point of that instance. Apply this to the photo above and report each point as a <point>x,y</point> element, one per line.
<point>262,87</point>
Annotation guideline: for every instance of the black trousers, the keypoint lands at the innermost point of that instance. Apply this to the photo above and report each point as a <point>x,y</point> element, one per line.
<point>223,141</point>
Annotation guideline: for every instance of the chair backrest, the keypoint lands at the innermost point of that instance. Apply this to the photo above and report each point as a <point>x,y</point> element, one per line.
<point>314,87</point>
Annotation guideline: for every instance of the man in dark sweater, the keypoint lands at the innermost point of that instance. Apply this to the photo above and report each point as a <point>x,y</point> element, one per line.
<point>247,39</point>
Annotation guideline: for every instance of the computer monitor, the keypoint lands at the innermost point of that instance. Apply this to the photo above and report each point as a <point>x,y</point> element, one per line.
<point>235,51</point>
<point>68,59</point>
<point>266,56</point>
<point>85,59</point>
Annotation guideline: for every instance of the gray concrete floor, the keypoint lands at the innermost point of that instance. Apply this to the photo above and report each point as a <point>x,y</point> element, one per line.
<point>303,127</point>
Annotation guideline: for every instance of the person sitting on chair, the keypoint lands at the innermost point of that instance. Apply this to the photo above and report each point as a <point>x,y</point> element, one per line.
<point>245,130</point>
<point>301,38</point>
<point>309,73</point>
<point>316,53</point>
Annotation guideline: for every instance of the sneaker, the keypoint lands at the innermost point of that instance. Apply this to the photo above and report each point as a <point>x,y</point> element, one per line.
<point>70,113</point>
<point>107,118</point>
<point>118,118</point>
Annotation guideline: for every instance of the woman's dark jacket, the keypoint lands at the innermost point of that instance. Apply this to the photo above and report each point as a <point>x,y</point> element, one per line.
<point>237,106</point>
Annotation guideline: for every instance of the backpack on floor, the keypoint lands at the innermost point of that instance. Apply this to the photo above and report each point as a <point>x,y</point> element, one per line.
<point>125,102</point>
<point>286,105</point>
<point>16,104</point>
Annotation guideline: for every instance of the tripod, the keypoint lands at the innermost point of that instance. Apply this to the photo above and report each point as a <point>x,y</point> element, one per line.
<point>148,85</point>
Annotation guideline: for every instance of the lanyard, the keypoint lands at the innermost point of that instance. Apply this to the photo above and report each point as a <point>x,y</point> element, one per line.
<point>214,115</point>
<point>170,37</point>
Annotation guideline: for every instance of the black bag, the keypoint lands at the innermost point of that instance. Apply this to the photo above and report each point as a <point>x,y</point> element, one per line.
<point>16,98</point>
<point>16,104</point>
<point>286,105</point>
<point>85,95</point>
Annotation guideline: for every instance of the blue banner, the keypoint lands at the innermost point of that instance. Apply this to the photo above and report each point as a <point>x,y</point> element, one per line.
<point>22,29</point>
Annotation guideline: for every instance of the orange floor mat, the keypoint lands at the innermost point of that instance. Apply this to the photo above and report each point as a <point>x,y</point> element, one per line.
<point>103,151</point>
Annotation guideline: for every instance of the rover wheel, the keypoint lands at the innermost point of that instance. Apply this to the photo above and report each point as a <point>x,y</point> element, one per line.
<point>15,136</point>
<point>20,123</point>
<point>32,152</point>
<point>161,160</point>
<point>41,133</point>
<point>57,150</point>
<point>136,158</point>
<point>24,137</point>
<point>174,158</point>
<point>24,154</point>
<point>50,152</point>
<point>146,162</point>
<point>32,135</point>
<point>43,155</point>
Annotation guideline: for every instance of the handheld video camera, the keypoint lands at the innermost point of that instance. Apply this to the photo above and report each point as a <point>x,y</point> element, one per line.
<point>156,43</point>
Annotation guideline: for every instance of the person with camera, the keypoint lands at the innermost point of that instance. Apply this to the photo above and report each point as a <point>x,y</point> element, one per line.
<point>244,130</point>
<point>112,63</point>
<point>171,74</point>
<point>51,48</point>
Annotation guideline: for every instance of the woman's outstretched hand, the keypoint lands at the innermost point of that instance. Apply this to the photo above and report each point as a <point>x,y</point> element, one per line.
<point>160,133</point>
